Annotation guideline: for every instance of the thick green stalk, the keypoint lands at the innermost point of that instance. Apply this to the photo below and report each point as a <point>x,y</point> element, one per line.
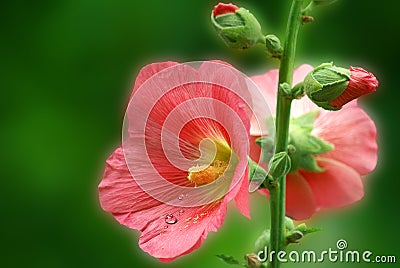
<point>277,194</point>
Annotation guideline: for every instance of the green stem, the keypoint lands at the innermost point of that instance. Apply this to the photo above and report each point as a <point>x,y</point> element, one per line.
<point>277,194</point>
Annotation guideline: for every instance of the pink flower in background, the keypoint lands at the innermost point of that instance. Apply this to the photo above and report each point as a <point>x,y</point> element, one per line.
<point>353,135</point>
<point>167,230</point>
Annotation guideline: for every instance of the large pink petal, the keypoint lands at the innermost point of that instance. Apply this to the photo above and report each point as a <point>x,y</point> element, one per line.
<point>339,185</point>
<point>169,241</point>
<point>242,197</point>
<point>119,193</point>
<point>353,134</point>
<point>149,70</point>
<point>300,202</point>
<point>121,196</point>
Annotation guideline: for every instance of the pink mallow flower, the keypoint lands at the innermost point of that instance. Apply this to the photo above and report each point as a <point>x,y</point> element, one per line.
<point>143,190</point>
<point>350,131</point>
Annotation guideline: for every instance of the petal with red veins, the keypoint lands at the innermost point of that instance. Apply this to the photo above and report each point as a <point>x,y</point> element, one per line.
<point>120,195</point>
<point>149,70</point>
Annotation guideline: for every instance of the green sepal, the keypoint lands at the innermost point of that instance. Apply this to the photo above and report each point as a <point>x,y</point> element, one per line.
<point>298,232</point>
<point>229,20</point>
<point>298,91</point>
<point>308,162</point>
<point>285,89</point>
<point>305,230</point>
<point>257,174</point>
<point>306,120</point>
<point>325,83</point>
<point>306,145</point>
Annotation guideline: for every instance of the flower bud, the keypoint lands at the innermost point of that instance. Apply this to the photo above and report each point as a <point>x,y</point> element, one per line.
<point>273,45</point>
<point>237,27</point>
<point>331,87</point>
<point>252,261</point>
<point>279,165</point>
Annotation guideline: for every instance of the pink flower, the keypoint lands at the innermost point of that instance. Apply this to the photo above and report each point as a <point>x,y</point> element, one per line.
<point>222,8</point>
<point>353,135</point>
<point>171,200</point>
<point>361,82</point>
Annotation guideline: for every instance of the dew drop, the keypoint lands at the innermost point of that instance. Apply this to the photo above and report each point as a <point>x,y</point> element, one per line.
<point>166,227</point>
<point>180,197</point>
<point>170,219</point>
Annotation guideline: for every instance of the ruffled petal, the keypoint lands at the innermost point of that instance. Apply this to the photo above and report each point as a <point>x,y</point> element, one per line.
<point>353,134</point>
<point>120,195</point>
<point>339,185</point>
<point>149,70</point>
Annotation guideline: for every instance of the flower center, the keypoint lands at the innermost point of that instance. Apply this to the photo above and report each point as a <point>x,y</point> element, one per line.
<point>202,174</point>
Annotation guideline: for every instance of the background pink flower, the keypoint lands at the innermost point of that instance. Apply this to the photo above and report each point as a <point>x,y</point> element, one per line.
<point>353,135</point>
<point>167,230</point>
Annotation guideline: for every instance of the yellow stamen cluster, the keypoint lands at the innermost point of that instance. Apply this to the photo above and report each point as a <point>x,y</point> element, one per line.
<point>201,175</point>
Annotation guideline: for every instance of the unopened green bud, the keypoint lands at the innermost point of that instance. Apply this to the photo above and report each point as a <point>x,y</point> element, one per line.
<point>289,224</point>
<point>252,261</point>
<point>326,83</point>
<point>237,27</point>
<point>273,45</point>
<point>280,165</point>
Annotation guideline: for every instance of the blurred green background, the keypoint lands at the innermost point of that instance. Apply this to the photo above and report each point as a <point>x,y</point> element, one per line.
<point>67,68</point>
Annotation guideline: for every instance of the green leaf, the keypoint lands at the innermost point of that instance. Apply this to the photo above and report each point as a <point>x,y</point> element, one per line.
<point>299,232</point>
<point>311,230</point>
<point>230,260</point>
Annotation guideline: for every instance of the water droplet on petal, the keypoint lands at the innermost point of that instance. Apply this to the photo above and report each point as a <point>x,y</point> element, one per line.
<point>180,197</point>
<point>170,219</point>
<point>166,227</point>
